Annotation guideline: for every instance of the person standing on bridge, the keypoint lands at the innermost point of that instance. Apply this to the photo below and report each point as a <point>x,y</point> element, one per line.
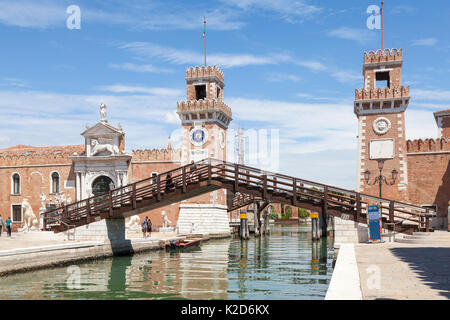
<point>169,183</point>
<point>192,168</point>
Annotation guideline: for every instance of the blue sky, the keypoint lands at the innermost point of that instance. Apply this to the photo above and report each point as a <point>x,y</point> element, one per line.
<point>290,66</point>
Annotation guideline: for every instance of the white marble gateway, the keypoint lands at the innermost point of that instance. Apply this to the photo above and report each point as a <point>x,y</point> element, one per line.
<point>105,165</point>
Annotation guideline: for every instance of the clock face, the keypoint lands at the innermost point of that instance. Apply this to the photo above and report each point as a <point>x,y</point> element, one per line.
<point>381,126</point>
<point>198,136</point>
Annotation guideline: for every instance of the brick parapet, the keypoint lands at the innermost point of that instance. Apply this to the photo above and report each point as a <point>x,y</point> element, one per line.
<point>387,55</point>
<point>203,105</point>
<point>382,93</point>
<point>427,145</point>
<point>156,155</point>
<point>197,72</point>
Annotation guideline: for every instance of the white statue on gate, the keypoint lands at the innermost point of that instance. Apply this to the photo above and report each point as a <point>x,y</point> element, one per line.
<point>31,222</point>
<point>103,112</point>
<point>166,221</point>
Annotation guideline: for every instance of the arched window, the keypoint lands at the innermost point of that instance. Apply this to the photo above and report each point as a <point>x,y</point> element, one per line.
<point>16,183</point>
<point>55,182</point>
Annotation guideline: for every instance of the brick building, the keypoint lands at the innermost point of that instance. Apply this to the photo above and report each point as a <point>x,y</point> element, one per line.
<point>418,170</point>
<point>49,176</point>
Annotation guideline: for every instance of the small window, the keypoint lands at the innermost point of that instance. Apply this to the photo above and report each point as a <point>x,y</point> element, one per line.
<point>200,92</point>
<point>16,183</point>
<point>55,182</point>
<point>383,79</point>
<point>218,93</point>
<point>17,213</point>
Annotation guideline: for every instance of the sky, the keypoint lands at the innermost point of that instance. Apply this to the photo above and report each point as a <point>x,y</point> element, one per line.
<point>289,66</point>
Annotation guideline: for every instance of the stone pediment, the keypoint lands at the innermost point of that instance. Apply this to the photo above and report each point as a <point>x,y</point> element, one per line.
<point>102,130</point>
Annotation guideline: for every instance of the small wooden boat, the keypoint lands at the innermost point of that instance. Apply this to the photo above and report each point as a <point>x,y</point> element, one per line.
<point>184,243</point>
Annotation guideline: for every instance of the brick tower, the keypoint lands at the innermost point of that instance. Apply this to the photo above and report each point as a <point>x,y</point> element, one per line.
<point>380,107</point>
<point>204,120</point>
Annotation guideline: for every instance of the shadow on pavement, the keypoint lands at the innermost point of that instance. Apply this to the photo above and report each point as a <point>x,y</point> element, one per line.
<point>430,264</point>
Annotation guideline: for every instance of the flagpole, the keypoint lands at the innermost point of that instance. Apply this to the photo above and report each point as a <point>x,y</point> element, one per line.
<point>382,25</point>
<point>204,36</point>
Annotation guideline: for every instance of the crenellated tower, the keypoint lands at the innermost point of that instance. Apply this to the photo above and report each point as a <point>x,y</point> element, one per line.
<point>380,107</point>
<point>204,121</point>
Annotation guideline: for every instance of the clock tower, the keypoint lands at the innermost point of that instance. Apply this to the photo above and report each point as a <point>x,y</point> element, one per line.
<point>380,107</point>
<point>204,120</point>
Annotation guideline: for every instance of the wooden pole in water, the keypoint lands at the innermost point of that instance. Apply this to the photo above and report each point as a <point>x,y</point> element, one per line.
<point>256,219</point>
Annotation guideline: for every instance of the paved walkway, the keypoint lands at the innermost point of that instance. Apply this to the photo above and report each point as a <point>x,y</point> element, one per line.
<point>404,271</point>
<point>22,240</point>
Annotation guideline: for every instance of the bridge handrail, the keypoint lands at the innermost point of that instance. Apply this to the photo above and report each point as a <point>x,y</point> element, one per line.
<point>211,169</point>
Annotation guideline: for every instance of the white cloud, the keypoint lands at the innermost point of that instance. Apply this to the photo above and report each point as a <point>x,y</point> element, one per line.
<point>442,95</point>
<point>347,76</point>
<point>134,14</point>
<point>144,68</point>
<point>42,14</point>
<point>290,11</point>
<point>281,77</point>
<point>312,65</point>
<point>427,42</point>
<point>359,35</point>
<point>120,88</point>
<point>188,57</point>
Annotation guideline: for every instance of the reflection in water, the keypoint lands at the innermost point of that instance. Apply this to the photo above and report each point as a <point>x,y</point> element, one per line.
<point>284,265</point>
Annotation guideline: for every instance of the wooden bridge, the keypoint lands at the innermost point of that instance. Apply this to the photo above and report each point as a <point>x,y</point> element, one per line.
<point>247,183</point>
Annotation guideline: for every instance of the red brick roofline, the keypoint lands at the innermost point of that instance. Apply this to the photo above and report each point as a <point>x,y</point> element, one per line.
<point>382,93</point>
<point>387,55</point>
<point>427,145</point>
<point>39,155</point>
<point>156,155</point>
<point>203,105</point>
<point>202,72</point>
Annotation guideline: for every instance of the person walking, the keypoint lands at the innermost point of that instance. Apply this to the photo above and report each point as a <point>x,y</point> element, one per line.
<point>192,169</point>
<point>145,227</point>
<point>2,225</point>
<point>8,226</point>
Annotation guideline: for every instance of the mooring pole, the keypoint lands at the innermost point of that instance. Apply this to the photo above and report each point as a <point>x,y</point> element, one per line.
<point>256,218</point>
<point>266,222</point>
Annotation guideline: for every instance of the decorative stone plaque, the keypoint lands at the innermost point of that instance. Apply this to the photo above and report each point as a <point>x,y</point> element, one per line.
<point>381,149</point>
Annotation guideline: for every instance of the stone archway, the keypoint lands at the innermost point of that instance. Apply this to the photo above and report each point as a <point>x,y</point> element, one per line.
<point>102,184</point>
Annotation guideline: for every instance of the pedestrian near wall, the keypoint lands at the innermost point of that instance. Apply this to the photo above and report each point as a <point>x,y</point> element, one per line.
<point>2,225</point>
<point>8,226</point>
<point>145,227</point>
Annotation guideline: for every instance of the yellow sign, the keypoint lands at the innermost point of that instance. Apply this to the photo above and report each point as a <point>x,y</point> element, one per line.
<point>314,215</point>
<point>243,216</point>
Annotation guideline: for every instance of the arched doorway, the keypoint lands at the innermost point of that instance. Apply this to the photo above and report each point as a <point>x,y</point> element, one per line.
<point>101,185</point>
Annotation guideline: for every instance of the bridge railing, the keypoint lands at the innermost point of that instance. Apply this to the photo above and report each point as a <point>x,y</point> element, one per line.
<point>241,177</point>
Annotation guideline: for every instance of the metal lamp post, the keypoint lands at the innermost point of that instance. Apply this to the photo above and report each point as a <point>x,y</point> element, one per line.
<point>380,179</point>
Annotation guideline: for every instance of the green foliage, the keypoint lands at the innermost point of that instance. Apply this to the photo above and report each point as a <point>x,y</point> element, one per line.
<point>303,213</point>
<point>287,213</point>
<point>274,215</point>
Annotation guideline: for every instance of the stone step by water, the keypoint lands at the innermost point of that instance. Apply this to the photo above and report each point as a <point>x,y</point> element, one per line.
<point>426,238</point>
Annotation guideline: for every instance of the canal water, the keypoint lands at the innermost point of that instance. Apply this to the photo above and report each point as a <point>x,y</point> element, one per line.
<point>285,265</point>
